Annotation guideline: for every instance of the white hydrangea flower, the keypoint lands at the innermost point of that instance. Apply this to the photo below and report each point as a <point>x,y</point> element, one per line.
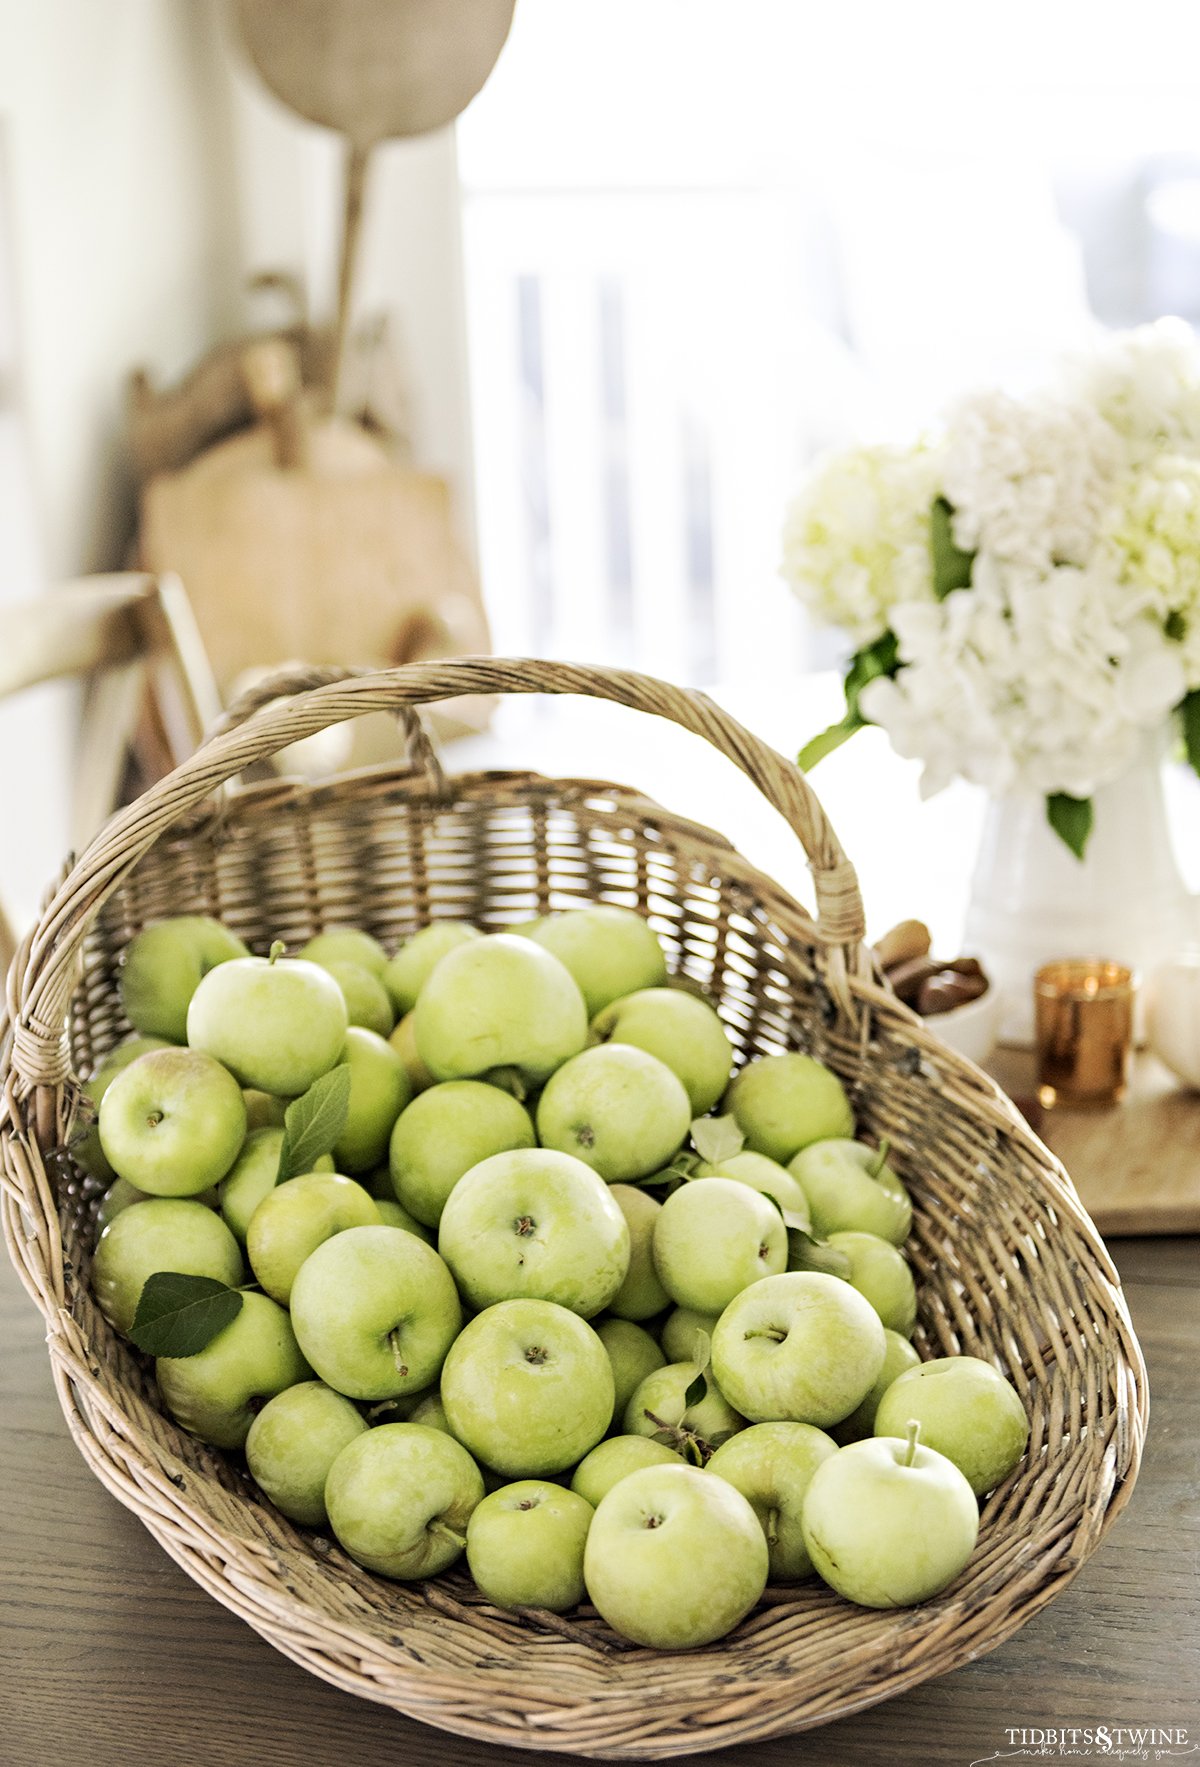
<point>1029,479</point>
<point>1154,529</point>
<point>857,540</point>
<point>1146,384</point>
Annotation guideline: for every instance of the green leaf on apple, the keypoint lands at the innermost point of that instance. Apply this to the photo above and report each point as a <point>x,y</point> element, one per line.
<point>1071,819</point>
<point>180,1315</point>
<point>951,565</point>
<point>721,1437</point>
<point>701,1352</point>
<point>313,1122</point>
<point>697,1392</point>
<point>808,1253</point>
<point>717,1138</point>
<point>668,1438</point>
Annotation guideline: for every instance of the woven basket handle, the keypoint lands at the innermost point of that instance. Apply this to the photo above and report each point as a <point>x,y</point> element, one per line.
<point>47,965</point>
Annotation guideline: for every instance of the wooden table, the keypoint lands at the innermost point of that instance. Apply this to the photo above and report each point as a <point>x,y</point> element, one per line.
<point>111,1657</point>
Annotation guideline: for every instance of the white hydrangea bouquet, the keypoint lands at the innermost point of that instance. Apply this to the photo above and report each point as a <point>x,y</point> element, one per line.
<point>1022,587</point>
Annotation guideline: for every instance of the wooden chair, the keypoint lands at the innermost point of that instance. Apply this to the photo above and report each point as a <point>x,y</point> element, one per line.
<point>150,691</point>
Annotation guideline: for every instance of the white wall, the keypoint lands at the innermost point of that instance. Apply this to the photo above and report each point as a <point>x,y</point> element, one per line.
<point>146,177</point>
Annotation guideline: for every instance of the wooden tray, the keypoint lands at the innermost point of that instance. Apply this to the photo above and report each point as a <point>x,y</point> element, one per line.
<point>1136,1165</point>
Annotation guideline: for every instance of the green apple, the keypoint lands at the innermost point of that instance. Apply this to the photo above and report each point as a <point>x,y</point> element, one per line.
<point>761,1174</point>
<point>217,1393</point>
<point>713,1238</point>
<point>611,952</point>
<point>888,1523</point>
<point>375,1311</point>
<point>276,1023</point>
<point>393,1215</point>
<point>400,1498</point>
<point>878,1271</point>
<point>622,1111</point>
<point>528,1388</point>
<point>430,1411</point>
<point>366,998</point>
<point>123,1195</point>
<point>660,1403</point>
<point>641,1295</point>
<point>851,1188</point>
<point>499,1001</point>
<point>613,1460</point>
<point>674,1558</point>
<point>164,1233</point>
<point>164,964</point>
<point>346,944</point>
<point>295,1218</point>
<point>967,1411</point>
<point>294,1441</point>
<point>379,1091</point>
<point>632,1355</point>
<point>782,1102</point>
<point>802,1346</point>
<point>534,1225</point>
<point>443,1133</point>
<point>415,961</point>
<point>771,1464</point>
<point>679,1330</point>
<point>263,1111</point>
<point>87,1149</point>
<point>172,1122</point>
<point>525,1546</point>
<point>253,1176</point>
<point>898,1357</point>
<point>404,1041</point>
<point>678,1029</point>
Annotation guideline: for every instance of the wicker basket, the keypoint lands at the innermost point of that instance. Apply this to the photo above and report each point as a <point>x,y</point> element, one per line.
<point>1008,1265</point>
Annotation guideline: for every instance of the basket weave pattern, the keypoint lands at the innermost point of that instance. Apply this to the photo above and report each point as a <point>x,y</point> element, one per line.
<point>1008,1266</point>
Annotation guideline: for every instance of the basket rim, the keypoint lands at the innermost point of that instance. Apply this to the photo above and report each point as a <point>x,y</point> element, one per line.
<point>91,1423</point>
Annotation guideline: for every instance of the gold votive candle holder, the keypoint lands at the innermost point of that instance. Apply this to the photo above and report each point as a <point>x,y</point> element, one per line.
<point>1083,1031</point>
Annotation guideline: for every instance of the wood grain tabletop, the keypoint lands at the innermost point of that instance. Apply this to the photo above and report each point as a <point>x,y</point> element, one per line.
<point>111,1657</point>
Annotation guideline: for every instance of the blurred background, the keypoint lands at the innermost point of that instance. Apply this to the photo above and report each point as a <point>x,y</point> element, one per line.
<point>672,251</point>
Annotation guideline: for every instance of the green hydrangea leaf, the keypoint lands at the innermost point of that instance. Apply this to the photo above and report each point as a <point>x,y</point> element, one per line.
<point>951,566</point>
<point>1071,819</point>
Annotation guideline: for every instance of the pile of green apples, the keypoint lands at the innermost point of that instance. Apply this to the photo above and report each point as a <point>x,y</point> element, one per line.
<point>484,1248</point>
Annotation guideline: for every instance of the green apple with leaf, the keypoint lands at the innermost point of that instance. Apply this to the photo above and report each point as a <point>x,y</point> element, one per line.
<point>375,1311</point>
<point>674,1558</point>
<point>723,1153</point>
<point>878,1271</point>
<point>215,1392</point>
<point>295,1218</point>
<point>632,1355</point>
<point>163,1233</point>
<point>535,1225</point>
<point>802,1346</point>
<point>443,1133</point>
<point>499,1002</point>
<point>253,1176</point>
<point>528,1388</point>
<point>400,1498</point>
<point>525,1546</point>
<point>408,971</point>
<point>163,966</point>
<point>346,944</point>
<point>277,1023</point>
<point>682,1405</point>
<point>784,1102</point>
<point>294,1441</point>
<point>172,1122</point>
<point>851,1188</point>
<point>614,1459</point>
<point>713,1238</point>
<point>966,1410</point>
<point>678,1029</point>
<point>889,1523</point>
<point>678,1336</point>
<point>772,1465</point>
<point>610,951</point>
<point>618,1109</point>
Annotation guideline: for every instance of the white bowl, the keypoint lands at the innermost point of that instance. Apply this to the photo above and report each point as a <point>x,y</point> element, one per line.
<point>971,1029</point>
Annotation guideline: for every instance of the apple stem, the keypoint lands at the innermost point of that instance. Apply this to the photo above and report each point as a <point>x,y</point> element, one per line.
<point>446,1532</point>
<point>769,1331</point>
<point>914,1436</point>
<point>772,1527</point>
<point>397,1354</point>
<point>276,952</point>
<point>885,1148</point>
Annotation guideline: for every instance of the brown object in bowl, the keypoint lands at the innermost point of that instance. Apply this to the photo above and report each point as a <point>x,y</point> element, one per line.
<point>1008,1265</point>
<point>947,989</point>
